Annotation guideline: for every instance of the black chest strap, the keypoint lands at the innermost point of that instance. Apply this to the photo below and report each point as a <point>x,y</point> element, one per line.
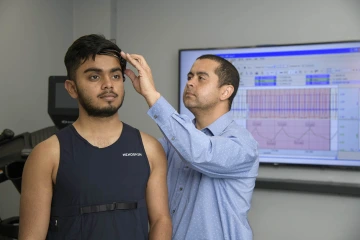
<point>75,210</point>
<point>110,207</point>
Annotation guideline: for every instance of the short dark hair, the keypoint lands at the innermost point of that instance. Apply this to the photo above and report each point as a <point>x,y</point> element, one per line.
<point>89,46</point>
<point>227,73</point>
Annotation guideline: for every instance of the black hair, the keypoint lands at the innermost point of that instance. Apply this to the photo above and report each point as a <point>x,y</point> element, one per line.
<point>89,46</point>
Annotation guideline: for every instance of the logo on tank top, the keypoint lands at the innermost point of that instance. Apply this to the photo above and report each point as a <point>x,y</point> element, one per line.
<point>132,154</point>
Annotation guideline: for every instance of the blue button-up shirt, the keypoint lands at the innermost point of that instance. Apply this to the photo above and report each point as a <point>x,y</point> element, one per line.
<point>211,175</point>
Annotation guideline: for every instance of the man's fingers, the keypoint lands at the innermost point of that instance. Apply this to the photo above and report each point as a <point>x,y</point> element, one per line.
<point>136,60</point>
<point>130,74</point>
<point>123,55</point>
<point>131,60</point>
<point>140,59</point>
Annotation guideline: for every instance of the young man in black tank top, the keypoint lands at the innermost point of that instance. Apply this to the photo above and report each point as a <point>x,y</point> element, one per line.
<point>62,200</point>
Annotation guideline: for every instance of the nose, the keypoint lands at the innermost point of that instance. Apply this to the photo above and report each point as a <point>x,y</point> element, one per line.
<point>107,83</point>
<point>190,82</point>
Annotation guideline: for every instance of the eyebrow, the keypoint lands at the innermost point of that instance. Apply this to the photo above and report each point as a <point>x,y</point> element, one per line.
<point>115,69</point>
<point>198,73</point>
<point>98,70</point>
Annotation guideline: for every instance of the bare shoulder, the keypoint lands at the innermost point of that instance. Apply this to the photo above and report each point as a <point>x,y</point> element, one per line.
<point>149,140</point>
<point>45,155</point>
<point>153,149</point>
<point>48,148</point>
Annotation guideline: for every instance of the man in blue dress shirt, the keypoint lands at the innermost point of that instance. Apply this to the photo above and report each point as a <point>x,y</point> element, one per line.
<point>212,161</point>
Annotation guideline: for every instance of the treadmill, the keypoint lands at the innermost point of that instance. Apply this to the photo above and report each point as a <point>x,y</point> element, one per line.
<point>14,149</point>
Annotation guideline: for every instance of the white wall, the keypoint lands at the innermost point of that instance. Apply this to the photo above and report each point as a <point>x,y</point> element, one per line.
<point>34,36</point>
<point>157,29</point>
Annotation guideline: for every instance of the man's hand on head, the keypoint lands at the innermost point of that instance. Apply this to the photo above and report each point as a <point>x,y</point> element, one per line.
<point>143,82</point>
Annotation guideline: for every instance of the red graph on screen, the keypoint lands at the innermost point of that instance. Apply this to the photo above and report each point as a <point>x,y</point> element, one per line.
<point>291,134</point>
<point>296,119</point>
<point>289,103</point>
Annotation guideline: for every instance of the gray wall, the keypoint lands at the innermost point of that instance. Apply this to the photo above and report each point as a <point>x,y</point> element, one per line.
<point>34,36</point>
<point>157,29</point>
<point>94,16</point>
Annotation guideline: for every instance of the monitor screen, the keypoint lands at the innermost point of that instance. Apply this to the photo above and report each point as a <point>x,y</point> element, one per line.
<point>62,97</point>
<point>300,102</point>
<point>62,108</point>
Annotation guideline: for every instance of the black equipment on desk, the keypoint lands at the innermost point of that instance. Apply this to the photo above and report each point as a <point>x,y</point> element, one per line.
<point>6,134</point>
<point>14,152</point>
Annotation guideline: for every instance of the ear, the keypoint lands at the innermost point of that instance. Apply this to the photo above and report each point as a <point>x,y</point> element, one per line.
<point>71,88</point>
<point>226,91</point>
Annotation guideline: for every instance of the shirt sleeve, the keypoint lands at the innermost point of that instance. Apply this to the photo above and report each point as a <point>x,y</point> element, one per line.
<point>231,155</point>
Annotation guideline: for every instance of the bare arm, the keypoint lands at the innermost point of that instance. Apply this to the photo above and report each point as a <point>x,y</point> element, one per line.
<point>156,192</point>
<point>36,190</point>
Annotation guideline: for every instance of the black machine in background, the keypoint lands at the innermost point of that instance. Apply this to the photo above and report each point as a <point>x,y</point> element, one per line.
<point>14,149</point>
<point>62,109</point>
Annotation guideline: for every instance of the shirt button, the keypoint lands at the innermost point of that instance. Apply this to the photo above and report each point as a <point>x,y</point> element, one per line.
<point>155,116</point>
<point>186,167</point>
<point>173,211</point>
<point>173,138</point>
<point>181,189</point>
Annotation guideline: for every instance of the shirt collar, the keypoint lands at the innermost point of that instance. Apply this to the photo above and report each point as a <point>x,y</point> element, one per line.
<point>219,125</point>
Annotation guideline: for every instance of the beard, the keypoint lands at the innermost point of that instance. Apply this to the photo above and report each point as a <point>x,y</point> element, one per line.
<point>94,111</point>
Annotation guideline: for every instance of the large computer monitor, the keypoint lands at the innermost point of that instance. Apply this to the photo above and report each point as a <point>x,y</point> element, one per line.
<point>299,101</point>
<point>62,108</point>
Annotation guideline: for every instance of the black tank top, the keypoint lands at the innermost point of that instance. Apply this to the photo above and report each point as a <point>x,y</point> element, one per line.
<point>94,184</point>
